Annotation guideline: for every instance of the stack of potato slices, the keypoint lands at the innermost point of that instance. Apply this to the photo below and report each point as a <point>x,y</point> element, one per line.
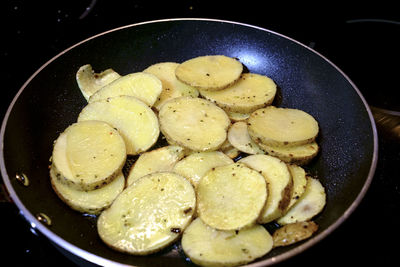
<point>228,162</point>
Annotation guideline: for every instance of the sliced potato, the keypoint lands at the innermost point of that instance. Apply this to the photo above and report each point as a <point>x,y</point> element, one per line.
<point>196,165</point>
<point>161,159</point>
<point>293,233</point>
<point>88,155</point>
<point>93,201</point>
<point>251,92</point>
<point>279,184</point>
<point>231,196</point>
<point>301,154</point>
<point>172,87</point>
<point>213,72</point>
<point>194,123</point>
<point>90,82</point>
<point>148,215</point>
<point>229,150</point>
<point>239,137</point>
<point>236,116</point>
<point>299,183</point>
<point>274,126</point>
<point>134,120</point>
<point>207,246</point>
<point>309,205</point>
<point>144,86</point>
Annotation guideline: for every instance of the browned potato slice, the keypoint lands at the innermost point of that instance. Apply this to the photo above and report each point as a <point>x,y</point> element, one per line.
<point>231,197</point>
<point>207,246</point>
<point>274,126</point>
<point>293,233</point>
<point>249,93</point>
<point>209,72</point>
<point>171,86</point>
<point>194,123</point>
<point>301,154</point>
<point>279,184</point>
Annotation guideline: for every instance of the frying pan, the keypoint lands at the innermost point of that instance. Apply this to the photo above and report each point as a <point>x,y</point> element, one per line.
<point>50,101</point>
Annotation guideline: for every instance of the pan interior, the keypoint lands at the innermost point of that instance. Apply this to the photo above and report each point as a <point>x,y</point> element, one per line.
<point>51,101</point>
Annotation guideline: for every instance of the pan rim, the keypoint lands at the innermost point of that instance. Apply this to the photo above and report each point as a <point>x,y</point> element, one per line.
<point>103,261</point>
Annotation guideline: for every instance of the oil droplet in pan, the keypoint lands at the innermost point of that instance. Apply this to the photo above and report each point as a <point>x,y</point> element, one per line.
<point>22,178</point>
<point>43,218</point>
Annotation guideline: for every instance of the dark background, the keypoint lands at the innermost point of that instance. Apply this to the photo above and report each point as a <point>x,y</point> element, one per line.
<point>360,39</point>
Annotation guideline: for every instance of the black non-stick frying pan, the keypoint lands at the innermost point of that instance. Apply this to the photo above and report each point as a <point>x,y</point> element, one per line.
<point>50,101</point>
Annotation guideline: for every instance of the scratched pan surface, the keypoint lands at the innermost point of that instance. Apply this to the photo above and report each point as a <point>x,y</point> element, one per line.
<point>50,100</point>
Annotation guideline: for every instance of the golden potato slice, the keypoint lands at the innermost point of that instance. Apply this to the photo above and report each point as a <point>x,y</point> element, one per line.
<point>300,154</point>
<point>249,93</point>
<point>239,137</point>
<point>299,183</point>
<point>148,215</point>
<point>213,72</point>
<point>196,165</point>
<point>279,184</point>
<point>231,197</point>
<point>309,204</point>
<point>161,159</point>
<point>172,87</point>
<point>293,233</point>
<point>90,82</point>
<point>194,123</point>
<point>133,119</point>
<point>144,86</point>
<point>88,155</point>
<point>207,246</point>
<point>274,126</point>
<point>93,201</point>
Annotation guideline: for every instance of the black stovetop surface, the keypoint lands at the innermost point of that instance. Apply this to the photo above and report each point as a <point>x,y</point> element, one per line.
<point>359,40</point>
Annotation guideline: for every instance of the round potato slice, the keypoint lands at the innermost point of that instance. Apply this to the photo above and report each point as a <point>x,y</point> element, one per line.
<point>161,159</point>
<point>309,204</point>
<point>231,197</point>
<point>196,165</point>
<point>172,87</point>
<point>213,72</point>
<point>239,137</point>
<point>144,86</point>
<point>207,246</point>
<point>279,184</point>
<point>133,119</point>
<point>251,92</point>
<point>148,215</point>
<point>274,126</point>
<point>301,154</point>
<point>93,201</point>
<point>88,155</point>
<point>194,123</point>
<point>299,183</point>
